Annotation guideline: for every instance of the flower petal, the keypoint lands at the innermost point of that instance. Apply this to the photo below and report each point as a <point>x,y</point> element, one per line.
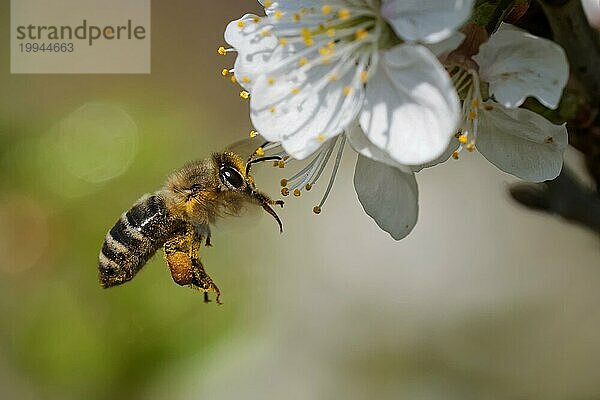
<point>521,142</point>
<point>517,64</point>
<point>304,108</point>
<point>425,20</point>
<point>255,50</point>
<point>362,145</point>
<point>411,109</point>
<point>387,195</point>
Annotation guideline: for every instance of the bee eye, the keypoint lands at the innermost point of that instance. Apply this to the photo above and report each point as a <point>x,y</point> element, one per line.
<point>231,177</point>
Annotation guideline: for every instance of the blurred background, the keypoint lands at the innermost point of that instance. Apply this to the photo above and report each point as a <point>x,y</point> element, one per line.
<point>483,300</point>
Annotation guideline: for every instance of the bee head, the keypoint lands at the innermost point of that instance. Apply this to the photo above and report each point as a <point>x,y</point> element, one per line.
<point>235,177</point>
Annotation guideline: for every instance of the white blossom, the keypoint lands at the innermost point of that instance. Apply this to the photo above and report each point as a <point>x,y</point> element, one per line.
<point>314,68</point>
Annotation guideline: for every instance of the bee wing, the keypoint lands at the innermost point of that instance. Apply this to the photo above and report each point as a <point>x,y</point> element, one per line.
<point>246,148</point>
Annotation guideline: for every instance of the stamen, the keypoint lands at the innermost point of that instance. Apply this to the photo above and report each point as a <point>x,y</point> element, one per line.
<point>253,133</point>
<point>244,95</point>
<point>336,165</point>
<point>326,9</point>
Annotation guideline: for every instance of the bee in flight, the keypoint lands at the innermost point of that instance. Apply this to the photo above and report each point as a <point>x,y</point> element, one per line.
<point>178,219</point>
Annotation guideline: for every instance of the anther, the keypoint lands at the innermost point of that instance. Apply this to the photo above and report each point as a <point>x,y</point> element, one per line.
<point>361,34</point>
<point>225,72</point>
<point>283,41</point>
<point>281,164</point>
<point>343,14</point>
<point>233,79</point>
<point>244,94</point>
<point>331,32</point>
<point>471,147</point>
<point>463,139</point>
<point>308,187</point>
<point>285,191</point>
<point>321,138</point>
<point>270,80</point>
<point>364,76</point>
<point>222,51</point>
<point>253,133</point>
<point>245,79</point>
<point>455,155</point>
<point>284,182</point>
<point>296,17</point>
<point>295,90</point>
<point>260,152</point>
<point>346,90</point>
<point>317,210</point>
<point>278,14</point>
<point>240,23</point>
<point>326,9</point>
<point>272,110</point>
<point>303,61</point>
<point>267,3</point>
<point>297,192</point>
<point>256,19</point>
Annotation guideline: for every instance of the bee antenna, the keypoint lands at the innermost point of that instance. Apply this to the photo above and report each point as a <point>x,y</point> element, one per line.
<point>261,159</point>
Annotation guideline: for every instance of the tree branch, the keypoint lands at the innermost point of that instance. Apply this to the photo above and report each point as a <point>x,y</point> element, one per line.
<point>563,196</point>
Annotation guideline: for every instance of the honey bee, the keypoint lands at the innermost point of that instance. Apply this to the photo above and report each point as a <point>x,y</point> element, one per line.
<point>178,218</point>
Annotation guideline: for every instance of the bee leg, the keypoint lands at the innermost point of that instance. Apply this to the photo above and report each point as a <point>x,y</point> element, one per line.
<point>177,256</point>
<point>208,243</point>
<point>203,282</point>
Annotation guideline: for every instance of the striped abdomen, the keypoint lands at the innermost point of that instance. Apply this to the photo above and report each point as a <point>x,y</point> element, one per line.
<point>134,239</point>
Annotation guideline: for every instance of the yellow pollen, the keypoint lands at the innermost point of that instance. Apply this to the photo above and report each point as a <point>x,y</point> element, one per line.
<point>240,23</point>
<point>308,187</point>
<point>221,50</point>
<point>343,14</point>
<point>256,19</point>
<point>297,192</point>
<point>361,34</point>
<point>333,77</point>
<point>472,115</point>
<point>475,103</point>
<point>272,109</point>
<point>265,32</point>
<point>244,94</point>
<point>331,32</point>
<point>296,17</point>
<point>278,14</point>
<point>303,61</point>
<point>284,182</point>
<point>326,9</point>
<point>270,81</point>
<point>364,76</point>
<point>245,79</point>
<point>233,79</point>
<point>346,90</point>
<point>260,152</point>
<point>308,41</point>
<point>324,51</point>
<point>225,72</point>
<point>253,133</point>
<point>471,147</point>
<point>462,139</point>
<point>317,210</point>
<point>283,41</point>
<point>295,90</point>
<point>455,155</point>
<point>267,3</point>
<point>285,191</point>
<point>281,164</point>
<point>321,138</point>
